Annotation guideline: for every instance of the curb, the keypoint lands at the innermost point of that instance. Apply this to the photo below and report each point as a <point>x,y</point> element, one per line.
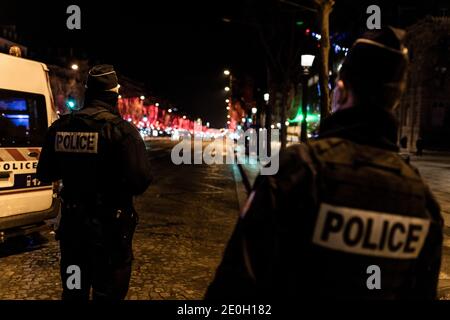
<point>241,189</point>
<point>245,180</point>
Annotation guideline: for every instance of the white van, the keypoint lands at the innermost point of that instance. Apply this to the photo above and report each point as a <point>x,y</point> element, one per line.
<point>26,111</point>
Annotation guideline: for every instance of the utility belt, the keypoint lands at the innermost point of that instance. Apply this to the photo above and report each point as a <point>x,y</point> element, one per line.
<point>97,217</point>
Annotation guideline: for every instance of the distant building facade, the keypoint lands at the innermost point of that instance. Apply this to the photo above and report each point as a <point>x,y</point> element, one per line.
<point>424,111</point>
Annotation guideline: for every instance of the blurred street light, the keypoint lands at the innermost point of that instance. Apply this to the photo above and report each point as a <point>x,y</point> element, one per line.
<point>74,66</point>
<point>226,72</point>
<point>254,110</point>
<point>228,108</point>
<point>266,97</point>
<point>227,100</point>
<point>142,98</point>
<point>157,104</point>
<point>170,110</point>
<point>307,60</point>
<point>184,117</point>
<point>227,89</point>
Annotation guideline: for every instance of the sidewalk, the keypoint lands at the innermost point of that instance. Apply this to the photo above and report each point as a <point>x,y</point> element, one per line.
<point>435,170</point>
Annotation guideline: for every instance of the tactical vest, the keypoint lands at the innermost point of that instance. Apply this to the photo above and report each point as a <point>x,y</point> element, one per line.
<point>86,153</point>
<point>369,212</point>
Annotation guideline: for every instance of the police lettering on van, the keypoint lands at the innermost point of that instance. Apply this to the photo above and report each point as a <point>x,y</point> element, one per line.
<point>370,233</point>
<point>20,167</point>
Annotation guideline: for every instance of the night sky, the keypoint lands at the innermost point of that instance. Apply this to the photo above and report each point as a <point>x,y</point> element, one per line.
<point>179,49</point>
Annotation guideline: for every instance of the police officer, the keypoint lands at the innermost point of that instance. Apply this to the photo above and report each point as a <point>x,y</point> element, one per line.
<point>102,162</point>
<point>345,217</point>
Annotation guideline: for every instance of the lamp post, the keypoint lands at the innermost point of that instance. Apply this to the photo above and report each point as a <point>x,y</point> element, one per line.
<point>229,89</point>
<point>306,62</point>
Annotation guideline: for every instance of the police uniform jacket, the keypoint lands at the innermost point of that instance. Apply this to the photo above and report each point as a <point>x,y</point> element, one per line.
<point>97,155</point>
<point>344,218</point>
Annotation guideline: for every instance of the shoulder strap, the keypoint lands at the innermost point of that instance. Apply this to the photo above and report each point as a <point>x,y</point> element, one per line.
<point>108,116</point>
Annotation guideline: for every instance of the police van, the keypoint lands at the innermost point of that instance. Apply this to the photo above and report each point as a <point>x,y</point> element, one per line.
<point>26,111</point>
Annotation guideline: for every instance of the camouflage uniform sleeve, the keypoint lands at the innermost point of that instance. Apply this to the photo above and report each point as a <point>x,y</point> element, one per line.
<point>134,160</point>
<point>47,169</point>
<point>250,260</point>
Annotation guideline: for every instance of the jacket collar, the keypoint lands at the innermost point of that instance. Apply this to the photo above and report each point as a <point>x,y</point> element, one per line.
<point>369,126</point>
<point>100,100</point>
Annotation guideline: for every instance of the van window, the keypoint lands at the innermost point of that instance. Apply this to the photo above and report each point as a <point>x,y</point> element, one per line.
<point>23,119</point>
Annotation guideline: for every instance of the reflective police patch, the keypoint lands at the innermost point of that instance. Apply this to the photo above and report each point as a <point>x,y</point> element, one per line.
<point>80,142</point>
<point>369,232</point>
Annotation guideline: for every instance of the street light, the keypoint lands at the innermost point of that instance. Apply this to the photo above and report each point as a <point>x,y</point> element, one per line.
<point>227,89</point>
<point>226,72</point>
<point>227,100</point>
<point>74,66</point>
<point>307,61</point>
<point>228,108</point>
<point>157,104</point>
<point>170,110</point>
<point>266,97</point>
<point>142,97</point>
<point>254,110</point>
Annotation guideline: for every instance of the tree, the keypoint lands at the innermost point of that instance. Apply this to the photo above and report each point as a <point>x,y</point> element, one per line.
<point>275,24</point>
<point>324,9</point>
<point>282,42</point>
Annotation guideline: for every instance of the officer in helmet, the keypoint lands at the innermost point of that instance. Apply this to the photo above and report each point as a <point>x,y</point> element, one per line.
<point>343,207</point>
<point>102,162</point>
